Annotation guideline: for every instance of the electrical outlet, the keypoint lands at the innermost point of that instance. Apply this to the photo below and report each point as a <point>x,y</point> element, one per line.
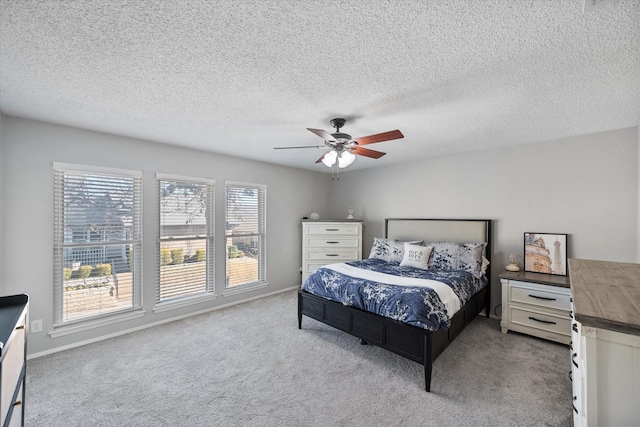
<point>36,326</point>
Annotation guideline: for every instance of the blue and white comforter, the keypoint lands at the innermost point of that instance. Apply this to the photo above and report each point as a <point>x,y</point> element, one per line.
<point>416,305</point>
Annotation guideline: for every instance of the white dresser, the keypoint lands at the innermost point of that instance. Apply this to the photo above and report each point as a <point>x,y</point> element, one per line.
<point>14,315</point>
<point>326,242</point>
<point>536,304</point>
<point>605,348</point>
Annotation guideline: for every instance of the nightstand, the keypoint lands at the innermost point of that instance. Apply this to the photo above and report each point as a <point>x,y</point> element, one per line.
<point>536,304</point>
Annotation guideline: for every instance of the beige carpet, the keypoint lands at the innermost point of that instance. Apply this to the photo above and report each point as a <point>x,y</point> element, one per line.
<point>249,365</point>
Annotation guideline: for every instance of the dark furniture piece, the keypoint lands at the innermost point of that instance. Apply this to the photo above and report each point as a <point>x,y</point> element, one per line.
<point>13,358</point>
<point>414,343</point>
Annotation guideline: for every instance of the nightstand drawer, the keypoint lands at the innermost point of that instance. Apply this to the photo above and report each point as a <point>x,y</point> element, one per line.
<point>541,297</point>
<point>329,229</point>
<point>543,321</point>
<point>329,242</point>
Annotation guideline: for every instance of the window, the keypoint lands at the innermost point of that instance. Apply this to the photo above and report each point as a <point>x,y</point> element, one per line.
<point>185,247</point>
<point>245,234</point>
<point>97,242</point>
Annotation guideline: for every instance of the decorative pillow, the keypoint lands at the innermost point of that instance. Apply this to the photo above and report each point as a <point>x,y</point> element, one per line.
<point>444,256</point>
<point>471,255</point>
<point>389,250</point>
<point>416,256</point>
<point>458,256</point>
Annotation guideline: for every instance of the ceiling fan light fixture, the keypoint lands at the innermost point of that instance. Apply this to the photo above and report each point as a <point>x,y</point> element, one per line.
<point>329,159</point>
<point>345,159</point>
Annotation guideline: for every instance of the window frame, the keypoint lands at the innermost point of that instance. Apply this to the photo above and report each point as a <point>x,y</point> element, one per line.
<point>61,172</point>
<point>209,238</point>
<point>262,234</point>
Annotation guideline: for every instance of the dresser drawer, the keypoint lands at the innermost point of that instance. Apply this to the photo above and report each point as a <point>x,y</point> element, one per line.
<point>336,242</point>
<point>328,229</point>
<point>542,321</point>
<point>310,267</point>
<point>547,298</point>
<point>329,256</point>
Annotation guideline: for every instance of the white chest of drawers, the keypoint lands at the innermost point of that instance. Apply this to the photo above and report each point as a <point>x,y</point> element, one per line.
<point>536,304</point>
<point>326,242</point>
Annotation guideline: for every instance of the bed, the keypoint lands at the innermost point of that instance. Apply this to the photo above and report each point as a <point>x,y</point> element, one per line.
<point>410,336</point>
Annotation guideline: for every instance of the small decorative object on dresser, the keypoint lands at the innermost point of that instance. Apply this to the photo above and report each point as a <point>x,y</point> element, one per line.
<point>13,351</point>
<point>513,263</point>
<point>314,216</point>
<point>536,304</point>
<point>350,216</point>
<point>326,242</point>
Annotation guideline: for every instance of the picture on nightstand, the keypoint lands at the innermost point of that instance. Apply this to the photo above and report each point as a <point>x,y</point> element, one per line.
<point>545,253</point>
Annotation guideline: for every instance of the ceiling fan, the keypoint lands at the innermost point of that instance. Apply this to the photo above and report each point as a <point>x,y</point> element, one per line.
<point>343,148</point>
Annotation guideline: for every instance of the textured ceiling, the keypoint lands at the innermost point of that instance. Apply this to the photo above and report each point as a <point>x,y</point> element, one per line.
<point>241,77</point>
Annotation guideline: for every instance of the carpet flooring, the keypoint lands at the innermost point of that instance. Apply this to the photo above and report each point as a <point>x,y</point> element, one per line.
<point>249,365</point>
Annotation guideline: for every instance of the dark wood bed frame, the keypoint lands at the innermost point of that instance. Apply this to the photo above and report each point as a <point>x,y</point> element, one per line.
<point>410,341</point>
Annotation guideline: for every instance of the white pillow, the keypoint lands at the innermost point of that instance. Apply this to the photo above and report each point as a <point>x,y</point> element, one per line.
<point>416,256</point>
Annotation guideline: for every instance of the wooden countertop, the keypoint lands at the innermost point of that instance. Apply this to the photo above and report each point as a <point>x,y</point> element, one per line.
<point>606,294</point>
<point>545,279</point>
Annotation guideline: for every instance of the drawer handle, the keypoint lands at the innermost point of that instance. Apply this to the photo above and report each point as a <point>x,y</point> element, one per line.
<point>574,406</point>
<point>332,229</point>
<point>20,327</point>
<point>548,322</point>
<point>333,243</point>
<point>575,328</point>
<point>17,403</point>
<point>544,298</point>
<point>332,254</point>
<point>573,361</point>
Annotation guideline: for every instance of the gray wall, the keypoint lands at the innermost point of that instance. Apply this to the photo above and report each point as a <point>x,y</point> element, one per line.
<point>29,149</point>
<point>585,186</point>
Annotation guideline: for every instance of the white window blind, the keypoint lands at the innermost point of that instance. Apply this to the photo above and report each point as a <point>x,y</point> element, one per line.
<point>185,256</point>
<point>97,242</point>
<point>245,233</point>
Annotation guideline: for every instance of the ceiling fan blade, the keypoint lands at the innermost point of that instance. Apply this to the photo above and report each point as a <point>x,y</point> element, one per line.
<point>323,134</point>
<point>368,153</point>
<point>322,157</point>
<point>301,146</point>
<point>379,137</point>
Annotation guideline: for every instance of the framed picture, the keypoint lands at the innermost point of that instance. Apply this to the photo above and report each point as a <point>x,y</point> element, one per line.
<point>545,253</point>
